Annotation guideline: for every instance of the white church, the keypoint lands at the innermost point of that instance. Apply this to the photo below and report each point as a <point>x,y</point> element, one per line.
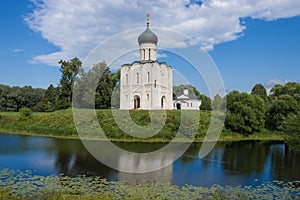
<point>148,84</point>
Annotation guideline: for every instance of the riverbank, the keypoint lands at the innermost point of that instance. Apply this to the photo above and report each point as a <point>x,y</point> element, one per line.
<point>60,124</point>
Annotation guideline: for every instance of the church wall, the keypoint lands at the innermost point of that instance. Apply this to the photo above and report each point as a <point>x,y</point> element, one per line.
<point>150,87</point>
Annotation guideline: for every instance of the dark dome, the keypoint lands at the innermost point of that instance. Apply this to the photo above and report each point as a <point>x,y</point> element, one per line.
<point>148,37</point>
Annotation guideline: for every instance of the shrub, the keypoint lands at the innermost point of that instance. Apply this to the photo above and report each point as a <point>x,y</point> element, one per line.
<point>25,113</point>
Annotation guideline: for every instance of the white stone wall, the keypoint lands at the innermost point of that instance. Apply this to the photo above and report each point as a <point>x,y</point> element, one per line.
<point>150,81</point>
<point>147,52</point>
<point>190,104</point>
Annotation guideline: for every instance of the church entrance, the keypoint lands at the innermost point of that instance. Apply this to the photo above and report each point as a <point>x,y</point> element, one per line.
<point>178,106</point>
<point>137,102</point>
<point>163,102</point>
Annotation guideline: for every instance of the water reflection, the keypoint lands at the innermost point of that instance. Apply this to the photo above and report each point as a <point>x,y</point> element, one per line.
<point>237,163</point>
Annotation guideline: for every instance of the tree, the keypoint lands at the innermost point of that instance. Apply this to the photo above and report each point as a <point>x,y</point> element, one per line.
<point>280,108</point>
<point>205,103</point>
<point>290,89</point>
<point>284,102</point>
<point>245,113</point>
<point>69,69</point>
<point>105,86</point>
<point>260,90</point>
<point>217,103</point>
<point>89,84</point>
<point>25,113</point>
<point>48,102</point>
<point>14,98</point>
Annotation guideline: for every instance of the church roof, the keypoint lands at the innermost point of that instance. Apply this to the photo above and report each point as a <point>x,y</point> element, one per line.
<point>144,62</point>
<point>148,37</point>
<point>187,97</point>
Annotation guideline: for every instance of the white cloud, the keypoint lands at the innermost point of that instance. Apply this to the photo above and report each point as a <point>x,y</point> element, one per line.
<point>16,50</point>
<point>271,83</point>
<point>76,26</point>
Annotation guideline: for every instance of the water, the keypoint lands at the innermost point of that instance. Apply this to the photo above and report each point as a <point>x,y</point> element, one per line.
<point>236,163</point>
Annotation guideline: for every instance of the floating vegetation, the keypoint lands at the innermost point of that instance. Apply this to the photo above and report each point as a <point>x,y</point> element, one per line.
<point>25,185</point>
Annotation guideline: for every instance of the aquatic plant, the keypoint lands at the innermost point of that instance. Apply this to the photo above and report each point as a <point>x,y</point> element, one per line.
<point>26,185</point>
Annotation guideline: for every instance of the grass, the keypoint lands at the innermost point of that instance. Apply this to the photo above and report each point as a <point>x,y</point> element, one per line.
<point>24,185</point>
<point>60,124</point>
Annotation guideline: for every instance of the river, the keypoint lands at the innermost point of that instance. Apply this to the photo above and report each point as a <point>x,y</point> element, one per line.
<point>229,163</point>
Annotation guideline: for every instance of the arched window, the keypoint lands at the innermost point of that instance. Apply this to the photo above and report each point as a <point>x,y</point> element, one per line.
<point>148,76</point>
<point>149,54</point>
<point>137,78</point>
<point>144,53</point>
<point>155,84</point>
<point>148,97</point>
<point>126,78</point>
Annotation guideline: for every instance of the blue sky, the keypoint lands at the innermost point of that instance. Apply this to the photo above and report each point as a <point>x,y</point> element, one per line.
<point>250,46</point>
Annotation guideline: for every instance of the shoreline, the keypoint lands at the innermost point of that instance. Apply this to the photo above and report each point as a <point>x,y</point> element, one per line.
<point>224,138</point>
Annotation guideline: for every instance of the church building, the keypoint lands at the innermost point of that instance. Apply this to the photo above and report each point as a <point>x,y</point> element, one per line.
<point>146,84</point>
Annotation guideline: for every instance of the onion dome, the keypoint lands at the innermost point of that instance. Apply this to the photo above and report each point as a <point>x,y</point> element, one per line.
<point>148,36</point>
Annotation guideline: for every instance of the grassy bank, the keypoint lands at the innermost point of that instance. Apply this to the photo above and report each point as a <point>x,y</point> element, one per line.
<point>23,185</point>
<point>60,124</point>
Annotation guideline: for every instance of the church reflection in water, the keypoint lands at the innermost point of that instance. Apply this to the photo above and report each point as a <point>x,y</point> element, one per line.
<point>236,163</point>
<point>229,163</point>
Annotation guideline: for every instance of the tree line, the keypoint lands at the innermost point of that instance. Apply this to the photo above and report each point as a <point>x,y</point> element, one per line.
<point>245,113</point>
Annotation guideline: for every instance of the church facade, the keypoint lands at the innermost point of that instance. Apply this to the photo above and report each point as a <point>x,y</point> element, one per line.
<point>146,84</point>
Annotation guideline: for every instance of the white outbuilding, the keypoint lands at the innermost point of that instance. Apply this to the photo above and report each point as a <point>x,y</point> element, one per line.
<point>187,101</point>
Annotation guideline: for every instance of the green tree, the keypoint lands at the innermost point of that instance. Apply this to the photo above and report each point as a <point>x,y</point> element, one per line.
<point>25,113</point>
<point>88,82</point>
<point>280,108</point>
<point>105,86</point>
<point>290,89</point>
<point>205,102</point>
<point>69,69</point>
<point>217,103</point>
<point>260,90</point>
<point>245,113</point>
<point>48,102</point>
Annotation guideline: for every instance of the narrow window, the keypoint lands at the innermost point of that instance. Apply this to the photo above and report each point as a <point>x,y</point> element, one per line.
<point>155,84</point>
<point>148,76</point>
<point>148,97</point>
<point>144,53</point>
<point>191,104</point>
<point>149,54</point>
<point>126,78</point>
<point>137,78</point>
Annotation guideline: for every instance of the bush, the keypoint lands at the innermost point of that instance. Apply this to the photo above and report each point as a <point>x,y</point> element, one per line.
<point>25,113</point>
<point>245,113</point>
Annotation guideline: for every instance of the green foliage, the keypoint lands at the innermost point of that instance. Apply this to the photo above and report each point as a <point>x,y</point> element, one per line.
<point>69,69</point>
<point>105,86</point>
<point>289,89</point>
<point>292,127</point>
<point>205,103</point>
<point>48,102</point>
<point>97,81</point>
<point>24,185</point>
<point>14,98</point>
<point>245,113</point>
<point>61,124</point>
<point>280,108</point>
<point>260,90</point>
<point>25,113</point>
